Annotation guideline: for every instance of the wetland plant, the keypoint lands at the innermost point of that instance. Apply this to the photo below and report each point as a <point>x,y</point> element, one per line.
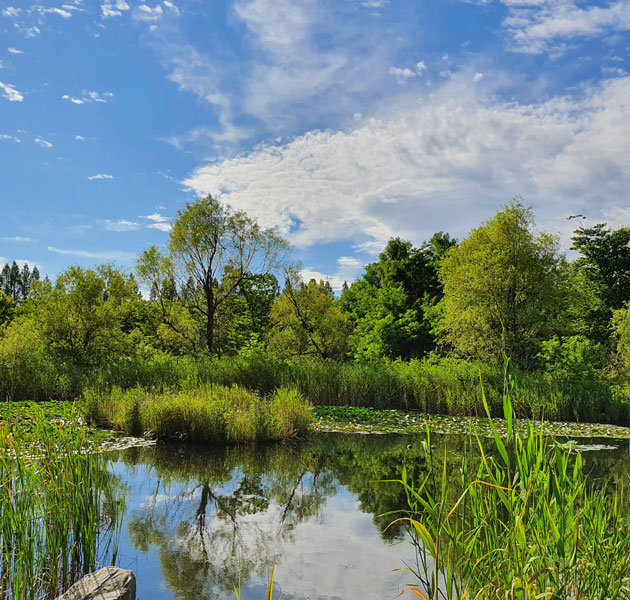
<point>211,414</point>
<point>60,510</point>
<point>520,520</point>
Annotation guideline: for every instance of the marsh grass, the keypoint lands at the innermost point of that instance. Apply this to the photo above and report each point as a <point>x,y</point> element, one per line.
<point>59,508</point>
<point>434,386</point>
<point>210,414</point>
<point>524,522</point>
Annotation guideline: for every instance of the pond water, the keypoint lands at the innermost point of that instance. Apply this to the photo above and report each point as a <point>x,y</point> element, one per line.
<point>197,517</point>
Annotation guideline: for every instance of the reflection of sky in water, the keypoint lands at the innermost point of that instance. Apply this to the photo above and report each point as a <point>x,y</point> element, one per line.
<point>334,553</point>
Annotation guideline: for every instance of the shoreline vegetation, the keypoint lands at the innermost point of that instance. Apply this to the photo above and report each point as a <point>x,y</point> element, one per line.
<point>433,386</point>
<point>525,521</point>
<point>60,509</point>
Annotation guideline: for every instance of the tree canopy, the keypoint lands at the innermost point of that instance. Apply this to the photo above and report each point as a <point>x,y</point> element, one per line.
<point>504,288</point>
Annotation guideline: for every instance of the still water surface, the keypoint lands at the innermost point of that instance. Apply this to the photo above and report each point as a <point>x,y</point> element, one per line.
<point>196,518</point>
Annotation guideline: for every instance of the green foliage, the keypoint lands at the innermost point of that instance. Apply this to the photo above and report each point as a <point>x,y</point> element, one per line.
<point>605,265</point>
<point>17,283</point>
<point>504,288</point>
<point>60,509</point>
<point>524,523</point>
<point>621,336</point>
<point>389,302</point>
<point>573,357</point>
<point>306,321</point>
<point>213,251</point>
<point>209,414</point>
<point>81,319</point>
<point>7,308</point>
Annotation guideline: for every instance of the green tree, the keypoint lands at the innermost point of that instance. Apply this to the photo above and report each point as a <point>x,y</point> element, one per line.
<point>504,288</point>
<point>212,251</point>
<point>82,318</point>
<point>306,321</point>
<point>604,270</point>
<point>388,303</point>
<point>7,308</point>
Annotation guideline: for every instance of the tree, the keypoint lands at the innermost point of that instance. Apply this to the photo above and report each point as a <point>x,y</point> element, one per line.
<point>604,269</point>
<point>17,284</point>
<point>211,253</point>
<point>388,303</point>
<point>82,318</point>
<point>305,321</point>
<point>504,288</point>
<point>7,308</point>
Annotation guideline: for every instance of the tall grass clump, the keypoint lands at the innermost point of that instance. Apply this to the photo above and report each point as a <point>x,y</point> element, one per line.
<point>522,522</point>
<point>210,414</point>
<point>59,508</point>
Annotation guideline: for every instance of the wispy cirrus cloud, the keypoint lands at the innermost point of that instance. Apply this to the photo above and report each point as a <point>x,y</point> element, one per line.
<point>100,176</point>
<point>17,239</point>
<point>106,255</point>
<point>11,11</point>
<point>121,225</point>
<point>5,137</point>
<point>42,143</point>
<point>10,93</point>
<point>88,97</point>
<point>44,10</point>
<point>14,51</point>
<point>538,26</point>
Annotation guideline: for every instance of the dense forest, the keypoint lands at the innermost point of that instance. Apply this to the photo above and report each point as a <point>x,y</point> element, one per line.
<point>223,292</point>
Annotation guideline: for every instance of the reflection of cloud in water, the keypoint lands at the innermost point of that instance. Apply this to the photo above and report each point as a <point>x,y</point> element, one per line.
<point>345,559</point>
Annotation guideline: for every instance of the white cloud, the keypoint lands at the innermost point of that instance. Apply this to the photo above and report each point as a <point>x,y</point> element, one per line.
<point>42,142</point>
<point>100,176</point>
<point>160,226</point>
<point>72,99</point>
<point>89,97</point>
<point>121,225</point>
<point>31,32</point>
<point>42,10</point>
<point>401,74</point>
<point>79,138</point>
<point>10,93</point>
<point>123,256</point>
<point>157,217</point>
<point>444,164</point>
<point>113,8</point>
<point>544,25</point>
<point>348,269</point>
<point>15,51</point>
<point>145,13</point>
<point>478,76</point>
<point>11,11</point>
<point>160,222</point>
<point>9,138</point>
<point>16,238</point>
<point>171,6</point>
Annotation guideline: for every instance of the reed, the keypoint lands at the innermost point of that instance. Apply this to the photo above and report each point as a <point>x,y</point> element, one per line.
<point>210,414</point>
<point>524,522</point>
<point>59,508</point>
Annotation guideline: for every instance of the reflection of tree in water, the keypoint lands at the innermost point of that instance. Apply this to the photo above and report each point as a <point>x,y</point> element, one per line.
<point>215,514</point>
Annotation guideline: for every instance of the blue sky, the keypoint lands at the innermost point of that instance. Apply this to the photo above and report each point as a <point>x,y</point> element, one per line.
<point>341,122</point>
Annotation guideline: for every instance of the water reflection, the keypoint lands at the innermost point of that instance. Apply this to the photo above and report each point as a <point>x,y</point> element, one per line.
<point>198,517</point>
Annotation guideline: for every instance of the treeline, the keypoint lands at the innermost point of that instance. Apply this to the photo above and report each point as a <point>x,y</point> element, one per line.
<point>223,288</point>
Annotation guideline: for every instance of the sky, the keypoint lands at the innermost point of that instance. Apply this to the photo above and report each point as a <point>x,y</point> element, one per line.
<point>342,123</point>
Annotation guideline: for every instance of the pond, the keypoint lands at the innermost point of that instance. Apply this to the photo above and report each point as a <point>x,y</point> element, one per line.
<point>196,518</point>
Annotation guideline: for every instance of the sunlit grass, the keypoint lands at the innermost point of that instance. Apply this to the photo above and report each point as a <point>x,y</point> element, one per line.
<point>207,414</point>
<point>524,523</point>
<point>59,508</point>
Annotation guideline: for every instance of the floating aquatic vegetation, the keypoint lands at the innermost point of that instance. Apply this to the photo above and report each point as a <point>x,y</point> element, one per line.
<point>346,419</point>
